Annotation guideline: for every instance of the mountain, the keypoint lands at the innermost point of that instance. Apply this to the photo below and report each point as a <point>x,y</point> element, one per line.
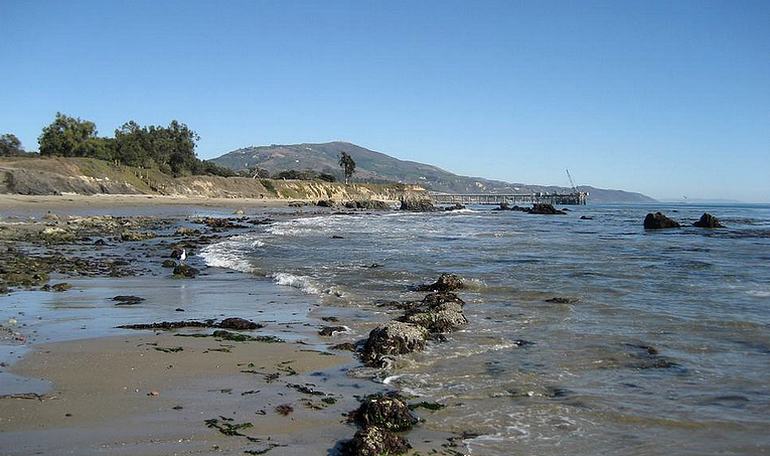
<point>374,166</point>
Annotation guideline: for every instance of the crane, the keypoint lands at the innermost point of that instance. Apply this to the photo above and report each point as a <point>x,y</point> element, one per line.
<point>572,182</point>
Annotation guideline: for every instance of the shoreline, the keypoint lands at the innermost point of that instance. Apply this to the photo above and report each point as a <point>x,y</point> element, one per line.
<point>117,391</point>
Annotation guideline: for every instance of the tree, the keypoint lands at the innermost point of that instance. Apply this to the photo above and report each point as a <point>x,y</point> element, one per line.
<point>10,146</point>
<point>72,137</point>
<point>348,165</point>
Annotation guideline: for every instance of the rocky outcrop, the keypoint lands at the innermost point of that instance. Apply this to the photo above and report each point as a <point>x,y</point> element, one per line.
<point>417,204</point>
<point>388,411</point>
<point>659,221</point>
<point>445,282</point>
<point>393,338</point>
<point>708,221</point>
<point>545,209</point>
<point>375,441</point>
<point>183,270</point>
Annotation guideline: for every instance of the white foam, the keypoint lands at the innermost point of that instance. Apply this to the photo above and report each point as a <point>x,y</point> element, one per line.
<point>302,283</point>
<point>228,254</point>
<point>759,293</point>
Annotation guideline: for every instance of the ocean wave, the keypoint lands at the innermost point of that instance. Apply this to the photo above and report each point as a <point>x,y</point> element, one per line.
<point>302,283</point>
<point>230,254</point>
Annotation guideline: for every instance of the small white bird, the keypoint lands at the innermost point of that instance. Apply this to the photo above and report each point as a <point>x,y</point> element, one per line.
<point>183,256</point>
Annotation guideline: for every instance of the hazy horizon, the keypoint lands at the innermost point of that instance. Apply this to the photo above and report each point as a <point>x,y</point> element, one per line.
<point>669,100</point>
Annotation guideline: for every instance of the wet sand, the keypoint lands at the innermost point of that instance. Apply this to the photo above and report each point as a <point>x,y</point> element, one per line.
<point>142,395</point>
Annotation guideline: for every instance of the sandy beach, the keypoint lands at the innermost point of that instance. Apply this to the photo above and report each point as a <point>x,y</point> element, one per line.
<point>73,381</point>
<point>153,394</point>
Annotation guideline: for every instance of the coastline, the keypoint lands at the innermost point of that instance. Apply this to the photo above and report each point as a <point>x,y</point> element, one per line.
<point>76,383</point>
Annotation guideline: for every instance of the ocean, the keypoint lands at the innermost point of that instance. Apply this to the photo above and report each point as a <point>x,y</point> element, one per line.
<point>659,342</point>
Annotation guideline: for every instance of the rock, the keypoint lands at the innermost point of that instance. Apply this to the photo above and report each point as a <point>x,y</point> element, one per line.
<point>445,282</point>
<point>373,205</point>
<point>586,217</point>
<point>238,324</point>
<point>169,264</point>
<point>100,243</point>
<point>345,346</point>
<point>388,411</point>
<point>326,203</point>
<point>185,231</point>
<point>331,330</point>
<point>176,253</point>
<point>503,207</point>
<point>59,287</point>
<point>545,209</point>
<point>375,441</point>
<point>560,300</point>
<point>441,297</point>
<point>455,207</point>
<point>130,236</point>
<point>350,205</point>
<point>441,318</point>
<point>659,221</point>
<point>127,300</point>
<point>393,338</point>
<point>708,221</point>
<point>417,204</point>
<point>337,236</point>
<point>56,235</point>
<point>183,270</point>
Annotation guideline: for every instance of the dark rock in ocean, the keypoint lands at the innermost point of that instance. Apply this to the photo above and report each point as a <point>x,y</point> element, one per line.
<point>455,207</point>
<point>228,323</point>
<point>441,297</point>
<point>503,207</point>
<point>328,331</point>
<point>183,270</point>
<point>586,217</point>
<point>659,221</point>
<point>445,282</point>
<point>326,203</point>
<point>219,223</point>
<point>561,300</point>
<point>440,318</point>
<point>345,346</point>
<point>58,287</point>
<point>100,242</point>
<point>176,253</point>
<point>337,236</point>
<point>708,221</point>
<point>393,338</point>
<point>545,209</point>
<point>417,205</point>
<point>239,324</point>
<point>388,411</point>
<point>127,300</point>
<point>169,264</point>
<point>375,441</point>
<point>130,236</point>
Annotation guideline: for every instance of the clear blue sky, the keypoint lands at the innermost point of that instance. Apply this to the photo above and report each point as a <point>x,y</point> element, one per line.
<point>669,98</point>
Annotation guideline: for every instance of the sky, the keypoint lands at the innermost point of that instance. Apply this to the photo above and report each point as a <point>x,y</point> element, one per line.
<point>670,99</point>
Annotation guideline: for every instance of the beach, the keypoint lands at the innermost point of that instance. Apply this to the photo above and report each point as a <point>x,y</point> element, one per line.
<point>71,382</point>
<point>581,328</point>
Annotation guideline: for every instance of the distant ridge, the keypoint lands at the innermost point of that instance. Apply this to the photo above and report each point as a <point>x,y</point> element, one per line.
<point>375,166</point>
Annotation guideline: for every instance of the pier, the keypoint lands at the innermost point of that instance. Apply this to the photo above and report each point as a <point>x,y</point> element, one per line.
<point>575,199</point>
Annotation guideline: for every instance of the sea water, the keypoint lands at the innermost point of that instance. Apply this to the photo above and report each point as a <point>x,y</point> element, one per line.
<point>661,344</point>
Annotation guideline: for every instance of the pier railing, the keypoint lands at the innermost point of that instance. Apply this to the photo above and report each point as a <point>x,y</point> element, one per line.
<point>578,198</point>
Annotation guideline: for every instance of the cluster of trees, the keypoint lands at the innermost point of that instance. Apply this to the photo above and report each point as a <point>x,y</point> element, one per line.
<point>307,174</point>
<point>10,146</point>
<point>170,149</point>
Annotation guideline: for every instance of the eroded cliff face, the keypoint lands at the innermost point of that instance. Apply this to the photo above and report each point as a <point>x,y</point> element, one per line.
<point>52,176</point>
